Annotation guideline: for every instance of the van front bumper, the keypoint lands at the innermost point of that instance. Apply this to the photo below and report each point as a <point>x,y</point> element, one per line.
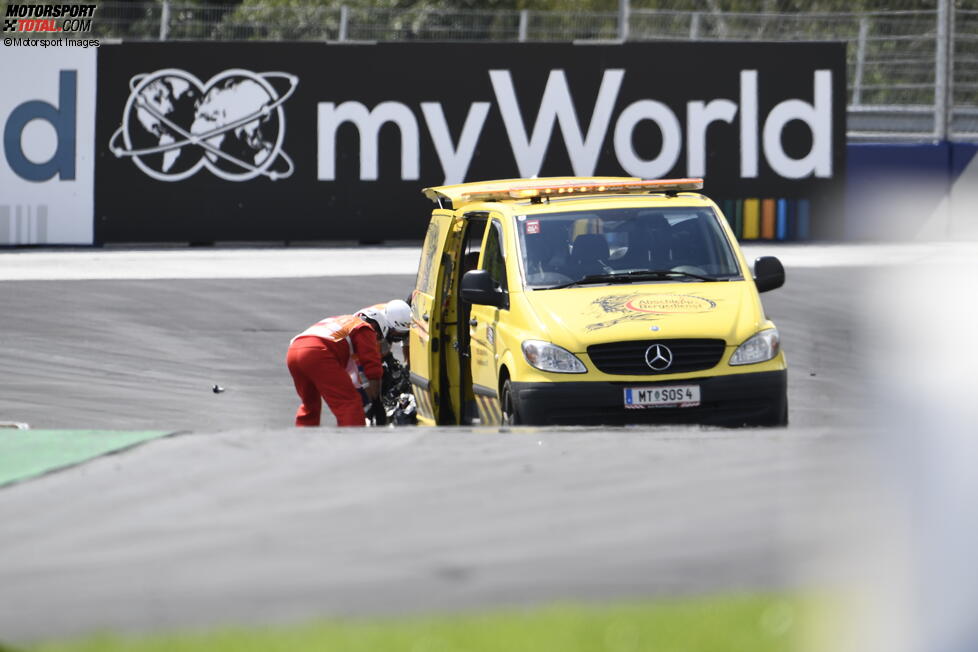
<point>750,399</point>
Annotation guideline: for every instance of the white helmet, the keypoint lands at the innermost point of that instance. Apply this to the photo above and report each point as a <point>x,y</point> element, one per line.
<point>398,314</point>
<point>378,316</point>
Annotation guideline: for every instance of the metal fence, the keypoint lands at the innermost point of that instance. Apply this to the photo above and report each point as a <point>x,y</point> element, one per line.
<point>913,73</point>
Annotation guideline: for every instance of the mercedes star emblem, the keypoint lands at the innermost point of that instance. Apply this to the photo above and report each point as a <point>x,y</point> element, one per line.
<point>658,357</point>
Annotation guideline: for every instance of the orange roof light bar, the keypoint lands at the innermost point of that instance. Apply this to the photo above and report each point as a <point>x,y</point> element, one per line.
<point>524,191</point>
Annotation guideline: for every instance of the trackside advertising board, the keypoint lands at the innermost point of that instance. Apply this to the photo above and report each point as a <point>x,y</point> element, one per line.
<point>205,142</point>
<point>47,123</point>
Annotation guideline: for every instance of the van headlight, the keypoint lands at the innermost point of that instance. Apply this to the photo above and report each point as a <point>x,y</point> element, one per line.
<point>550,357</point>
<point>758,348</point>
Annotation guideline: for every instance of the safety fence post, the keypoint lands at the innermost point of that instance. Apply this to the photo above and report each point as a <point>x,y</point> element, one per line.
<point>942,78</point>
<point>857,84</point>
<point>344,20</point>
<point>623,11</point>
<point>165,20</point>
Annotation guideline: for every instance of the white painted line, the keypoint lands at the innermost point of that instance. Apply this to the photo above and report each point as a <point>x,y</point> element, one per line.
<point>207,263</point>
<point>865,255</point>
<point>291,262</point>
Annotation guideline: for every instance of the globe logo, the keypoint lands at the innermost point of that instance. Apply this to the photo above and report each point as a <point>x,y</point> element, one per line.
<point>174,124</point>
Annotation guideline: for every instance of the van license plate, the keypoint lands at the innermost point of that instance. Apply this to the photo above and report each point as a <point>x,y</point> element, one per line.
<point>666,396</point>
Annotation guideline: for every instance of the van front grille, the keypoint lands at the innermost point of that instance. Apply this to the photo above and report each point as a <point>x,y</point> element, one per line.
<point>629,358</point>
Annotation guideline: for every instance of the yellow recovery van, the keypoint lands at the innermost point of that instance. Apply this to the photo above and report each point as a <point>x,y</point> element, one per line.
<point>598,300</point>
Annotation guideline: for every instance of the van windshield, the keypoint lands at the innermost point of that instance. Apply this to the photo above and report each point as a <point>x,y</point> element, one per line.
<point>625,245</point>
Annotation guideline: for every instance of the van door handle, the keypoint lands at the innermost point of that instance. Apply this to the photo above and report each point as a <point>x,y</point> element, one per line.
<point>424,316</point>
<point>473,322</point>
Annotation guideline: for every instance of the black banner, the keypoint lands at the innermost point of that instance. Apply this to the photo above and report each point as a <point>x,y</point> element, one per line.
<point>205,142</point>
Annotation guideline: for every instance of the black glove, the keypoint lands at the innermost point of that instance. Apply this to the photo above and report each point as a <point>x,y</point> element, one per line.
<point>377,413</point>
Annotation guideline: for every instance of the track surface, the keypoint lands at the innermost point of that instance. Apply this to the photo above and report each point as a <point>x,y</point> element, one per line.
<point>145,354</point>
<point>246,520</point>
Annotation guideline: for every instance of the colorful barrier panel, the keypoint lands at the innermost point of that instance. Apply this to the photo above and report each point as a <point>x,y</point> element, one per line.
<point>769,218</point>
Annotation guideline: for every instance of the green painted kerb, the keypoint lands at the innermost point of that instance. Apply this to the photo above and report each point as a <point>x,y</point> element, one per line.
<point>28,453</point>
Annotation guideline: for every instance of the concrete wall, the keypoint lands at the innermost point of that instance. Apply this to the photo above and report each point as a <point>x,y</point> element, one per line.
<point>925,191</point>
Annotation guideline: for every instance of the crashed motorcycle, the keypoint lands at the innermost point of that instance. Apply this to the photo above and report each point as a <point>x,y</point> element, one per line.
<point>397,404</point>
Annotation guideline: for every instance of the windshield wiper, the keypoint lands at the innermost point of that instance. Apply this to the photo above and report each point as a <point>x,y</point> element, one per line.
<point>591,278</point>
<point>668,273</point>
<point>636,275</point>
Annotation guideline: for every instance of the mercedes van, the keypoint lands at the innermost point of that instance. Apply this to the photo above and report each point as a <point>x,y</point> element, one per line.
<point>599,300</point>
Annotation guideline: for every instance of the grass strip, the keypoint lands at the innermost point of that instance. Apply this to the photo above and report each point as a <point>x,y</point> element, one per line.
<point>715,624</point>
<point>29,453</point>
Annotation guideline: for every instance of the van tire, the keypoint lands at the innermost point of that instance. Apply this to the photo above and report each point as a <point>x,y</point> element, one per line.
<point>777,419</point>
<point>783,420</point>
<point>507,405</point>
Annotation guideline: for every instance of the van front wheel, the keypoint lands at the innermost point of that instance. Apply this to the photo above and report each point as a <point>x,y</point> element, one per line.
<point>508,405</point>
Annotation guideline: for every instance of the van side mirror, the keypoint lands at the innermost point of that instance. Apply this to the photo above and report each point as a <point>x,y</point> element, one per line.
<point>768,273</point>
<point>479,288</point>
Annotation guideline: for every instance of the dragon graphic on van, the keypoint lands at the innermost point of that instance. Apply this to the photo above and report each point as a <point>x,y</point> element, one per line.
<point>643,306</point>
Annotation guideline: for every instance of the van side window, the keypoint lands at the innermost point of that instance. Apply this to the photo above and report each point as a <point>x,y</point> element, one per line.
<point>474,232</point>
<point>492,256</point>
<point>426,282</point>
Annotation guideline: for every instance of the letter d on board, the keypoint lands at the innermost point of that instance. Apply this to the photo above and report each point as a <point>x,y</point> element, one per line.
<point>818,117</point>
<point>61,117</point>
